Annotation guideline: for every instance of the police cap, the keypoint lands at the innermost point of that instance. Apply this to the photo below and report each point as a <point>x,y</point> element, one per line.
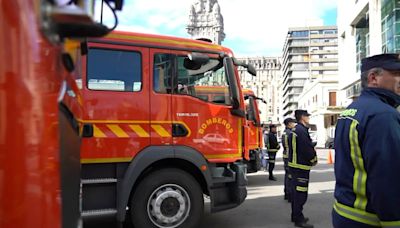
<point>390,62</point>
<point>300,112</point>
<point>289,120</point>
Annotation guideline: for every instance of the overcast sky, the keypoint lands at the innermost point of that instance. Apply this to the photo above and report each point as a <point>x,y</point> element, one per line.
<point>252,27</point>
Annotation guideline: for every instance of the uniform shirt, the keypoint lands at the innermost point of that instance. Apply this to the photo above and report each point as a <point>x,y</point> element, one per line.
<point>272,144</point>
<point>302,154</point>
<point>285,143</point>
<point>367,164</point>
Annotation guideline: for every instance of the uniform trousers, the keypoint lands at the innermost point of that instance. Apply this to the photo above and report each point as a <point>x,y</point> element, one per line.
<point>300,179</point>
<point>287,189</point>
<point>271,162</point>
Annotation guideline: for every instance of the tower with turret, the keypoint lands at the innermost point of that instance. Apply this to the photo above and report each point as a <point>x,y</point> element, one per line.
<point>206,21</point>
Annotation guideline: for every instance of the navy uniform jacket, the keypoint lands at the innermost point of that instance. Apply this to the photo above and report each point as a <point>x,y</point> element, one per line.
<point>272,144</point>
<point>285,143</point>
<point>302,154</point>
<point>367,165</point>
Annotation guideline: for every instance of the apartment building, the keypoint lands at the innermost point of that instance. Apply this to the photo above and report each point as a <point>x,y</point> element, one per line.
<point>310,77</point>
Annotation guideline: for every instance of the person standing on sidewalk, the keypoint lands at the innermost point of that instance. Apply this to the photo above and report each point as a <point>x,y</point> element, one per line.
<point>272,147</point>
<point>302,157</point>
<point>289,125</point>
<point>367,146</point>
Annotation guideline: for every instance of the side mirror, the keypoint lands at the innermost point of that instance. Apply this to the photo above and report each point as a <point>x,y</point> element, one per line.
<point>251,111</point>
<point>74,19</point>
<point>251,69</point>
<point>195,60</point>
<point>199,57</point>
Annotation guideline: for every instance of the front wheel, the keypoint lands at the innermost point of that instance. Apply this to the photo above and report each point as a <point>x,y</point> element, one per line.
<point>167,198</point>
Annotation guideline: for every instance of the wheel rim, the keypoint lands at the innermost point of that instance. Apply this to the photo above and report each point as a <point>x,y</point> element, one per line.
<point>168,206</point>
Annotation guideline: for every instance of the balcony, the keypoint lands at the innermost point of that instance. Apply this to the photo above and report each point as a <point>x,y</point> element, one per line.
<point>290,105</point>
<point>314,36</point>
<point>324,68</point>
<point>319,52</point>
<point>323,60</point>
<point>319,44</point>
<point>288,111</point>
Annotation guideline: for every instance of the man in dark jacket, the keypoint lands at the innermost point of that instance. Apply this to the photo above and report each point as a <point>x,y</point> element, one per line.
<point>367,145</point>
<point>272,148</point>
<point>302,157</point>
<point>289,125</point>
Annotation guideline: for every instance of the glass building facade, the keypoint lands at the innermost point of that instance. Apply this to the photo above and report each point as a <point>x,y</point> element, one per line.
<point>390,12</point>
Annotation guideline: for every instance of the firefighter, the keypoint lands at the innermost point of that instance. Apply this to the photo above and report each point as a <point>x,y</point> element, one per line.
<point>289,125</point>
<point>272,147</point>
<point>367,145</point>
<point>302,157</point>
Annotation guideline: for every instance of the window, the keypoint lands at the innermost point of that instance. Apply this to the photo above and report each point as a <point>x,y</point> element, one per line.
<point>299,34</point>
<point>332,98</point>
<point>208,82</point>
<point>162,72</point>
<point>330,32</point>
<point>361,47</point>
<point>114,70</point>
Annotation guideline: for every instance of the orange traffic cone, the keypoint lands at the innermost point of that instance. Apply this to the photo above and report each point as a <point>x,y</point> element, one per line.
<point>330,160</point>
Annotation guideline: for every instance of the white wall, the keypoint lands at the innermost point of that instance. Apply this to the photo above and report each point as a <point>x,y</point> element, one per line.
<point>349,12</point>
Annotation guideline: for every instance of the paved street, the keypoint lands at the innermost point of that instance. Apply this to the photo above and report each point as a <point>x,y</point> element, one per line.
<point>265,207</point>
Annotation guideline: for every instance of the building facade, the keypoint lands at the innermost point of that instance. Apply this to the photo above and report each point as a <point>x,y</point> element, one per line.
<point>265,85</point>
<point>356,21</point>
<point>310,77</point>
<point>206,21</point>
<point>319,97</point>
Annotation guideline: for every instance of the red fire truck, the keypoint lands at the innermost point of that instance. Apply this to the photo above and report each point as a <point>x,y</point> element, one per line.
<point>39,141</point>
<point>158,144</point>
<point>255,138</point>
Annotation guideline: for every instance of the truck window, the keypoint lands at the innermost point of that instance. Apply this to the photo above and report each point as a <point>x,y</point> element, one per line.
<point>114,70</point>
<point>209,83</point>
<point>162,72</point>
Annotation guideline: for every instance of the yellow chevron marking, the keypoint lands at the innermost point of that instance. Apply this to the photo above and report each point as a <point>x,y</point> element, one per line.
<point>160,130</point>
<point>117,131</point>
<point>97,133</point>
<point>139,131</point>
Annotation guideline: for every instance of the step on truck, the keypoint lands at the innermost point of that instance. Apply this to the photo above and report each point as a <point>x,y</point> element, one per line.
<point>158,144</point>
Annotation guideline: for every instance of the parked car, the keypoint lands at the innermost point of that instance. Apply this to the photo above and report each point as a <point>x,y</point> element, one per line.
<point>330,143</point>
<point>314,138</point>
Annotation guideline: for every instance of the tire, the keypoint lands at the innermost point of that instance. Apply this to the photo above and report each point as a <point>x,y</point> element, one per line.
<point>167,198</point>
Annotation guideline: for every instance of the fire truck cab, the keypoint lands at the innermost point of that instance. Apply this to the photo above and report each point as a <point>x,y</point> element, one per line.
<point>255,137</point>
<point>158,142</point>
